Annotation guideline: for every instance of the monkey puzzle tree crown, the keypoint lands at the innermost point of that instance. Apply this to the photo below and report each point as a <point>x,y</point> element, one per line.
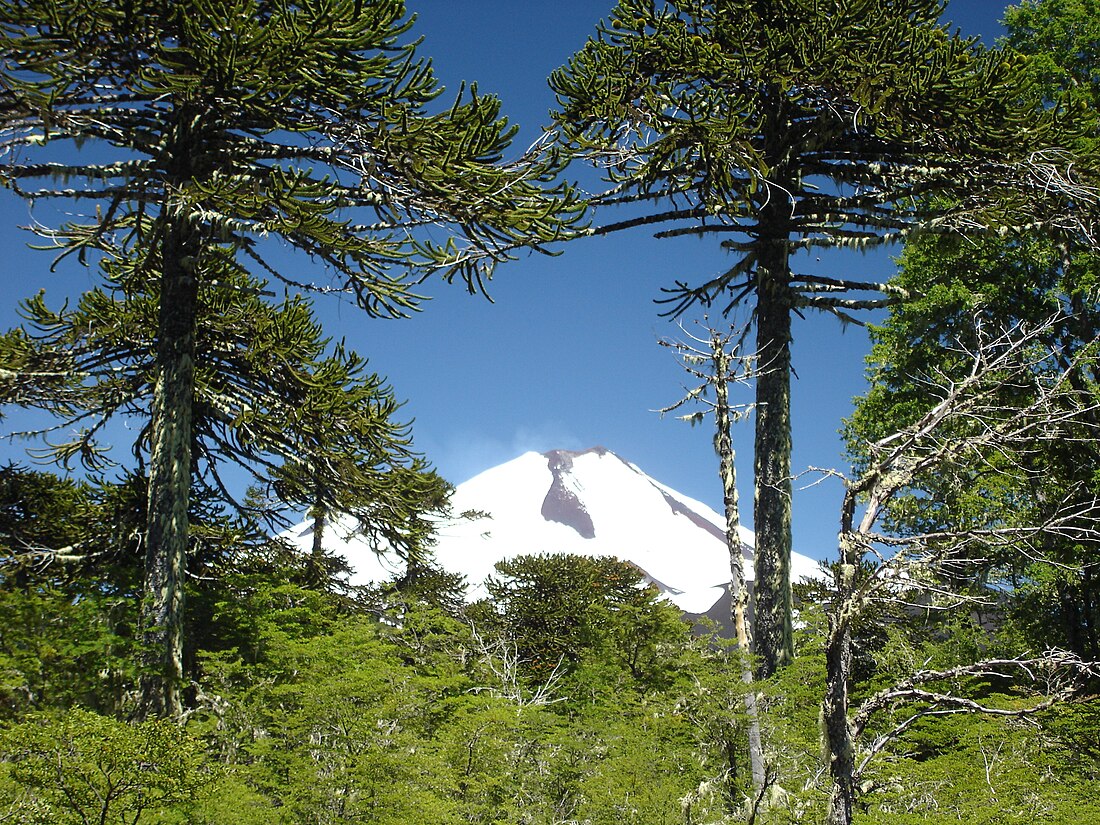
<point>252,119</point>
<point>249,127</point>
<point>789,125</point>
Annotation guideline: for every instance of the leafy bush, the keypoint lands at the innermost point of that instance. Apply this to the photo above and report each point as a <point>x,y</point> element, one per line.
<point>81,767</point>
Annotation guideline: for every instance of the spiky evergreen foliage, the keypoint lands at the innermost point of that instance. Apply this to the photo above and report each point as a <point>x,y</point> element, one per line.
<point>251,119</point>
<point>792,125</point>
<point>273,396</point>
<point>304,419</point>
<point>346,454</point>
<point>224,125</point>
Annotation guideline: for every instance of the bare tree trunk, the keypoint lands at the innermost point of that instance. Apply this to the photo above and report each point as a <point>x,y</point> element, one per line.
<point>970,419</point>
<point>169,479</point>
<point>772,462</point>
<point>318,549</point>
<point>723,442</point>
<point>839,747</point>
<point>319,513</point>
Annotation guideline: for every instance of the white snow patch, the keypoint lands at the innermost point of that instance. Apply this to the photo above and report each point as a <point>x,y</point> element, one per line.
<point>677,541</point>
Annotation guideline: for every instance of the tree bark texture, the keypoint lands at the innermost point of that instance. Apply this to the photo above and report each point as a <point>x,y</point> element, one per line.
<point>168,528</point>
<point>738,590</point>
<point>839,746</point>
<point>169,481</point>
<point>772,461</point>
<point>319,513</point>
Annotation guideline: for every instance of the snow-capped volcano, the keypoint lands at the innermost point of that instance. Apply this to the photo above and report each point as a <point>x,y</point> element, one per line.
<point>590,503</point>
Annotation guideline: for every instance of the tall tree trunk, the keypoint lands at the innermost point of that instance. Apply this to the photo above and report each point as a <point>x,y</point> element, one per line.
<point>168,529</point>
<point>772,460</point>
<point>318,548</point>
<point>319,513</point>
<point>839,746</point>
<point>738,591</point>
<point>169,477</point>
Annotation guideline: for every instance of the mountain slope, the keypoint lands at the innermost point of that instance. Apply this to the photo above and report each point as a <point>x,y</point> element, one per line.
<point>590,503</point>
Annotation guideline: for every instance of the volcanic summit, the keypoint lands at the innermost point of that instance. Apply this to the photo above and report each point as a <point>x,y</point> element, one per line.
<point>590,503</point>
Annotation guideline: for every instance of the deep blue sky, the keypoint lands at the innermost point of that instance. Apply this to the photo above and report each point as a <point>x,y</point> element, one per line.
<point>566,357</point>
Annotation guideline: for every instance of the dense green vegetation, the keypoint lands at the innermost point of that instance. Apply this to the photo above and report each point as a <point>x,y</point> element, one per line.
<point>164,660</point>
<point>394,707</point>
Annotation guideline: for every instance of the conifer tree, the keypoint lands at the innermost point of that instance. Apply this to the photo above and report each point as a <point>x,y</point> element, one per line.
<point>345,453</point>
<point>304,417</point>
<point>790,126</point>
<point>305,420</point>
<point>222,126</point>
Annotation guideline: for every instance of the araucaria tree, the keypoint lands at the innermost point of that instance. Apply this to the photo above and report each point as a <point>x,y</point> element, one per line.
<point>241,129</point>
<point>787,127</point>
<point>272,396</point>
